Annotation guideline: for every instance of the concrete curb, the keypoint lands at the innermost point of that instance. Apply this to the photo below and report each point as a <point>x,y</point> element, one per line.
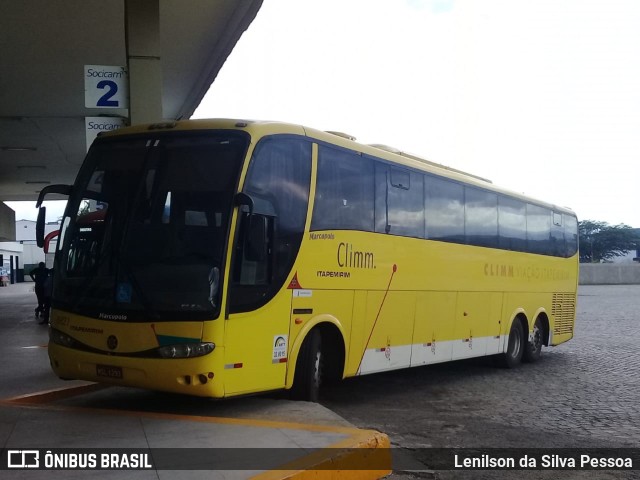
<point>364,458</point>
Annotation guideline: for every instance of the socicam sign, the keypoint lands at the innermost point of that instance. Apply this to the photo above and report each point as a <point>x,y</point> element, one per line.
<point>105,86</point>
<point>95,125</point>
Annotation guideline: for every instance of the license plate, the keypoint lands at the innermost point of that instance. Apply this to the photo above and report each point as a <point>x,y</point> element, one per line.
<point>108,371</point>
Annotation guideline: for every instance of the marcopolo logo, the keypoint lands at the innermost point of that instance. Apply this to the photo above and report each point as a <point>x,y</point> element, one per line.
<point>112,342</point>
<point>23,458</point>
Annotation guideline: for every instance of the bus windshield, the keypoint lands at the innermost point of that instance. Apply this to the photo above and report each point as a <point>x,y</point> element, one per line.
<point>145,231</point>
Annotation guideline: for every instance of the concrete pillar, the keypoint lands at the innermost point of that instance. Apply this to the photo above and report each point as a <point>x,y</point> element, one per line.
<point>7,224</point>
<point>142,32</point>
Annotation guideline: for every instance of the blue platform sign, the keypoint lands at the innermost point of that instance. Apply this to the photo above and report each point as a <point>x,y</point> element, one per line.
<point>106,86</point>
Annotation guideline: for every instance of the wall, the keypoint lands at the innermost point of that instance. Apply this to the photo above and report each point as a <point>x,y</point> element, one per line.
<point>15,250</point>
<point>609,274</point>
<point>26,230</point>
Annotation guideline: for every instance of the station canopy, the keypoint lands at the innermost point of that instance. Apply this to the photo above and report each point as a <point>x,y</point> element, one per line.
<point>44,48</point>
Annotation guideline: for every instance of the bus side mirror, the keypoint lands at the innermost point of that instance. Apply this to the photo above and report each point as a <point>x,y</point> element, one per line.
<point>42,214</point>
<point>60,189</point>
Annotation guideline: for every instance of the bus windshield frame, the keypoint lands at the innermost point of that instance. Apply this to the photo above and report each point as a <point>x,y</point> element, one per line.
<point>146,230</point>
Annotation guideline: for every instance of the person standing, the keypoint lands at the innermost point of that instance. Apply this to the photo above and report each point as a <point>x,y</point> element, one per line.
<point>39,276</point>
<point>47,290</point>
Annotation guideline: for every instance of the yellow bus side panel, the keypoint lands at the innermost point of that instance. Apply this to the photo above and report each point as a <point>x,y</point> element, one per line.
<point>433,328</point>
<point>388,331</point>
<point>477,324</point>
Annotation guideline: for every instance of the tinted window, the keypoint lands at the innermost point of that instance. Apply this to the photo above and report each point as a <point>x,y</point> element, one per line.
<point>278,182</point>
<point>538,229</point>
<point>481,217</point>
<point>399,207</point>
<point>406,210</point>
<point>400,178</point>
<point>512,224</point>
<point>570,234</point>
<point>557,245</point>
<point>279,176</point>
<point>381,193</point>
<point>143,214</point>
<point>344,191</point>
<point>444,210</point>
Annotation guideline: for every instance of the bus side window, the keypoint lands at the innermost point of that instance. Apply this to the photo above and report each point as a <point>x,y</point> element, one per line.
<point>405,203</point>
<point>512,224</point>
<point>538,229</point>
<point>558,245</point>
<point>399,201</point>
<point>344,191</point>
<point>444,209</point>
<point>481,217</point>
<point>570,234</point>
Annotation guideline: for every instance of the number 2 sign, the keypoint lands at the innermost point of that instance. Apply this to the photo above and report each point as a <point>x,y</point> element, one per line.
<point>105,87</point>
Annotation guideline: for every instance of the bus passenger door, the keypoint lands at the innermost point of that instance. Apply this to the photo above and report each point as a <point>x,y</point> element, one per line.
<point>272,212</point>
<point>256,339</point>
<point>256,347</point>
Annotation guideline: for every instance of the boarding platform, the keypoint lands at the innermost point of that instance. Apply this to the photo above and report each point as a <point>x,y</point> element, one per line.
<point>52,427</point>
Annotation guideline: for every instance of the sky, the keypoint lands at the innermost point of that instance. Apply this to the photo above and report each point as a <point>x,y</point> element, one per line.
<point>540,96</point>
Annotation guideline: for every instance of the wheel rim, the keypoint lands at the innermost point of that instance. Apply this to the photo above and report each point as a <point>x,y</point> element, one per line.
<point>537,337</point>
<point>514,343</point>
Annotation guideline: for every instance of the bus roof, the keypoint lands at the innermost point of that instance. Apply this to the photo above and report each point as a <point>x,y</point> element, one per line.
<point>260,128</point>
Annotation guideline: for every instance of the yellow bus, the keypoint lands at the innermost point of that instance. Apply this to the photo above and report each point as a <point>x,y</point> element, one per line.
<point>221,257</point>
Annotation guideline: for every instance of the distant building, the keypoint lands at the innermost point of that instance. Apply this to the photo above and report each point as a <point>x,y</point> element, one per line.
<point>24,251</point>
<point>26,231</point>
<point>19,253</point>
<point>32,254</point>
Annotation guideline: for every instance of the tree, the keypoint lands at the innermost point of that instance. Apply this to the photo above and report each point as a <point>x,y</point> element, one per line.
<point>600,241</point>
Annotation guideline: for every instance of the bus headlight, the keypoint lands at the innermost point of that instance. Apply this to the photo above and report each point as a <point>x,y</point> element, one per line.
<point>59,338</point>
<point>186,350</point>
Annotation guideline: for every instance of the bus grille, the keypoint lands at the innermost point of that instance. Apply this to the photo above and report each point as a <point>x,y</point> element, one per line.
<point>563,310</point>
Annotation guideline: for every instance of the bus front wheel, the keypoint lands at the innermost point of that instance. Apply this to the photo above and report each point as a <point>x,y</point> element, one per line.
<point>308,375</point>
<point>515,349</point>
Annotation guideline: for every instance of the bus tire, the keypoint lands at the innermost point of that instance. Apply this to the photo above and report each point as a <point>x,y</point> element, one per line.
<point>533,347</point>
<point>308,375</point>
<point>515,348</point>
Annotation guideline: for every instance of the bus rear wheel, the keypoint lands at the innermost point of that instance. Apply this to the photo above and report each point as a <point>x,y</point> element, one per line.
<point>308,375</point>
<point>515,349</point>
<point>533,348</point>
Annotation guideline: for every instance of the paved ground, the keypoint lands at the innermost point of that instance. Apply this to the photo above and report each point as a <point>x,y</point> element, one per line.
<point>225,439</point>
<point>584,393</point>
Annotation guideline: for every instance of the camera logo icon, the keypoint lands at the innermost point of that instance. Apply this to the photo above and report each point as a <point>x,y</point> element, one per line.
<point>23,459</point>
